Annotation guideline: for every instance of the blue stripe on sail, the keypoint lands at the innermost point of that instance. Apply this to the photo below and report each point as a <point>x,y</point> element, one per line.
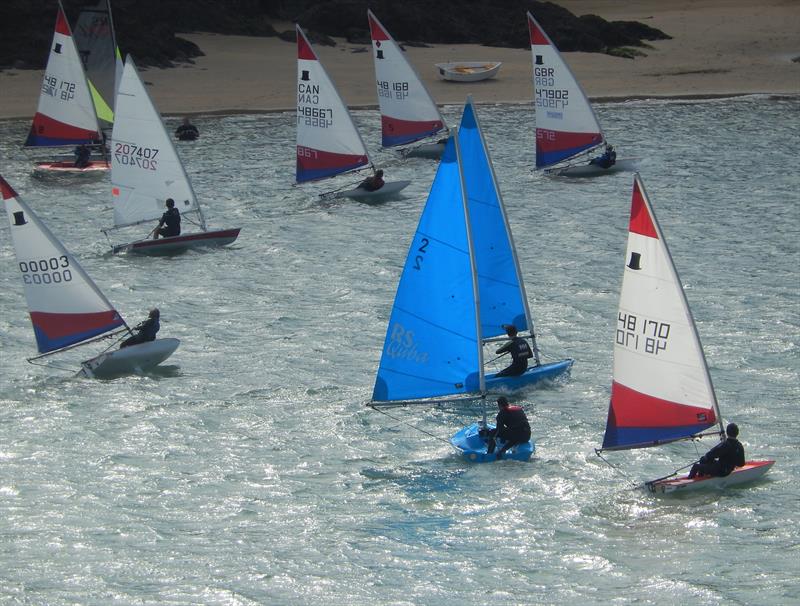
<point>431,341</point>
<point>498,283</point>
<point>39,141</point>
<point>550,158</point>
<point>391,141</point>
<point>632,437</point>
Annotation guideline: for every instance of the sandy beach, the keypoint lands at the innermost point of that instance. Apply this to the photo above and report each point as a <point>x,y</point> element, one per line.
<point>719,47</point>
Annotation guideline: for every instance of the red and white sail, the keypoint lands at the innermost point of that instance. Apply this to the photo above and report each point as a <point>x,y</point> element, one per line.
<point>328,142</point>
<point>145,167</point>
<point>408,113</point>
<point>65,305</point>
<point>65,114</point>
<point>661,389</point>
<point>565,121</point>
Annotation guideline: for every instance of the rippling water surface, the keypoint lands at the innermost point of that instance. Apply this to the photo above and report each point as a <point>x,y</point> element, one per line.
<point>248,470</point>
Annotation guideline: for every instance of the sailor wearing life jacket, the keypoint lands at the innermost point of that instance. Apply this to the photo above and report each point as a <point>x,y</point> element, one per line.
<point>520,352</point>
<point>512,426</point>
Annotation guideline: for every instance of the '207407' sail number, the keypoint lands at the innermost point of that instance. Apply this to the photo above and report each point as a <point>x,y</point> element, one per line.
<point>129,154</point>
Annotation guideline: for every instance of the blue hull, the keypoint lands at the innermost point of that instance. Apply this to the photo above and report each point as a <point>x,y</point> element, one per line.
<point>473,447</point>
<point>533,375</point>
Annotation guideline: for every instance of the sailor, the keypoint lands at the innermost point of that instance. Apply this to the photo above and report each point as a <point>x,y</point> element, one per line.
<point>723,458</point>
<point>520,352</point>
<point>187,131</point>
<point>373,183</point>
<point>511,425</point>
<point>170,222</point>
<point>82,155</point>
<point>146,331</point>
<point>608,159</point>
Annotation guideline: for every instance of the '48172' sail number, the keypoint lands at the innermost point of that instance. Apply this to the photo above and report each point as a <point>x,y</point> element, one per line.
<point>134,155</point>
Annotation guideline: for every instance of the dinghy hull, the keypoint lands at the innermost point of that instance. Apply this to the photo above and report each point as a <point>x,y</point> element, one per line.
<point>95,166</point>
<point>164,246</point>
<point>430,151</point>
<point>468,71</point>
<point>473,447</point>
<point>752,470</point>
<point>594,170</point>
<point>133,359</point>
<point>532,376</point>
<point>389,190</point>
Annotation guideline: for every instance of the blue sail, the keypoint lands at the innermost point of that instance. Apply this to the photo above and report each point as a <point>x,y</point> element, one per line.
<point>500,287</point>
<point>431,347</point>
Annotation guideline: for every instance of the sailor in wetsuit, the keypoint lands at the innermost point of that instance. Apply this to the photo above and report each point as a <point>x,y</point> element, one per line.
<point>723,458</point>
<point>373,183</point>
<point>170,220</point>
<point>82,155</point>
<point>146,331</point>
<point>187,131</point>
<point>608,159</point>
<point>520,352</point>
<point>512,426</point>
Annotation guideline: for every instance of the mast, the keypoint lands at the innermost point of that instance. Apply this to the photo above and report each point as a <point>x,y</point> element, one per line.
<point>501,204</point>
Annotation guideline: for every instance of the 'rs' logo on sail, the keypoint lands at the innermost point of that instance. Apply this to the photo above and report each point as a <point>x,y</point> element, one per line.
<point>401,345</point>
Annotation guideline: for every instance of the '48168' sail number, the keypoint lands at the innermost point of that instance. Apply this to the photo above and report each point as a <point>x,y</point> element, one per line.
<point>134,155</point>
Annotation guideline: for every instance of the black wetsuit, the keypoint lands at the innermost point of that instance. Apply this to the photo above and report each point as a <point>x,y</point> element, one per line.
<point>520,352</point>
<point>146,332</point>
<point>512,426</point>
<point>187,132</point>
<point>82,155</point>
<point>171,220</point>
<point>371,183</point>
<point>607,160</point>
<point>720,460</point>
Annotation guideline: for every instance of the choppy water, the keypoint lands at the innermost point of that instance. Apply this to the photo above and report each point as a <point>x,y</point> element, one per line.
<point>250,472</point>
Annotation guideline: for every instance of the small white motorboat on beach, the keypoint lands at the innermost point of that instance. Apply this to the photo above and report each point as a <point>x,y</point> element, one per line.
<point>468,71</point>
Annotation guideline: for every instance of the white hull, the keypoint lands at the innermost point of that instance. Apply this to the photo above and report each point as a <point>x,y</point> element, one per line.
<point>593,170</point>
<point>432,151</point>
<point>468,71</point>
<point>133,359</point>
<point>752,470</point>
<point>389,190</point>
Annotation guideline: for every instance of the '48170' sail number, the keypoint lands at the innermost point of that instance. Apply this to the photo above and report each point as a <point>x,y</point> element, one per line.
<point>134,155</point>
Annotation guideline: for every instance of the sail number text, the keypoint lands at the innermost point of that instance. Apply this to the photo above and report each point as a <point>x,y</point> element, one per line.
<point>641,334</point>
<point>134,155</point>
<point>60,89</point>
<point>46,271</point>
<point>547,97</point>
<point>421,256</point>
<point>393,90</point>
<point>308,95</point>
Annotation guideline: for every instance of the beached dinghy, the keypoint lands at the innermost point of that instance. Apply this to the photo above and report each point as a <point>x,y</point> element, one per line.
<point>567,130</point>
<point>661,390</point>
<point>328,142</point>
<point>146,170</point>
<point>408,113</point>
<point>460,286</point>
<point>468,71</point>
<point>66,307</point>
<point>65,116</point>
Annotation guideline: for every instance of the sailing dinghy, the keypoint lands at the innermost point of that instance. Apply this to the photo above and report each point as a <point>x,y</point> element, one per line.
<point>328,142</point>
<point>146,170</point>
<point>661,390</point>
<point>408,112</point>
<point>97,47</point>
<point>461,284</point>
<point>567,130</point>
<point>65,116</point>
<point>66,307</point>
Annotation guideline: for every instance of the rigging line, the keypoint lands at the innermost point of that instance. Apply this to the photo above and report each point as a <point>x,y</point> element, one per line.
<point>632,482</point>
<point>402,422</point>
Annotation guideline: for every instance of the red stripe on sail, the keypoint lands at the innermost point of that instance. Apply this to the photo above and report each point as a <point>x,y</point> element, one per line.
<point>45,126</point>
<point>635,409</point>
<point>537,35</point>
<point>641,222</point>
<point>378,33</point>
<point>57,326</point>
<point>304,50</point>
<point>8,191</point>
<point>556,140</point>
<point>62,25</point>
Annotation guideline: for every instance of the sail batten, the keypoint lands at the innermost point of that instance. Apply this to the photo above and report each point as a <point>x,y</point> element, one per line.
<point>662,389</point>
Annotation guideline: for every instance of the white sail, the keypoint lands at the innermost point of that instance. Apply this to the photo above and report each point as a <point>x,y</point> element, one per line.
<point>145,167</point>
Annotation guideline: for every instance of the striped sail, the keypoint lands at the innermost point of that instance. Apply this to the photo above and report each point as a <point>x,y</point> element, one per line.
<point>65,114</point>
<point>328,142</point>
<point>145,167</point>
<point>661,388</point>
<point>94,37</point>
<point>65,305</point>
<point>408,113</point>
<point>431,347</point>
<point>565,122</point>
<point>502,295</point>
